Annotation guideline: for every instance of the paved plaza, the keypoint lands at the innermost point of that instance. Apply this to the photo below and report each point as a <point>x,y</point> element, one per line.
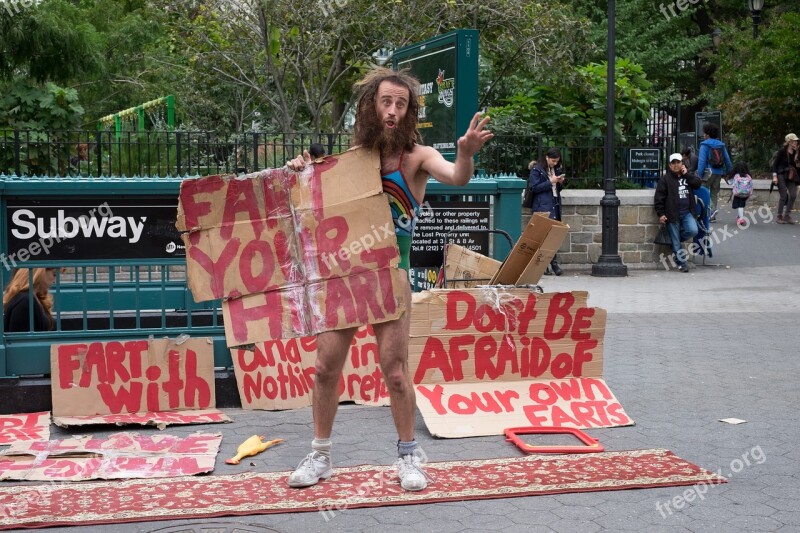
<point>682,351</point>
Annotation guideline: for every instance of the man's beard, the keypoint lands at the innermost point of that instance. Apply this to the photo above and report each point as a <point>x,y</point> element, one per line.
<point>391,142</point>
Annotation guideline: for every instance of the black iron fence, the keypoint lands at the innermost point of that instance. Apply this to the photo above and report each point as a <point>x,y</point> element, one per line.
<point>182,153</point>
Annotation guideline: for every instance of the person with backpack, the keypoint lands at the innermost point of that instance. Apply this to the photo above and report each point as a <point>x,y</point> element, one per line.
<point>741,189</point>
<point>714,157</point>
<point>785,170</point>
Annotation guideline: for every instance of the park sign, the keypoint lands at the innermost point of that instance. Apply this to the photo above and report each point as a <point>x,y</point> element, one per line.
<point>447,69</point>
<point>644,159</point>
<point>293,253</point>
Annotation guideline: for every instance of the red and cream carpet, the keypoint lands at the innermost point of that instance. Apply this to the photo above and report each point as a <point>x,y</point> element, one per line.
<point>59,504</point>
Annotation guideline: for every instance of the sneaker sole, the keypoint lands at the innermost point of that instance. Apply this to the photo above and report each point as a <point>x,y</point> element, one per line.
<point>298,485</point>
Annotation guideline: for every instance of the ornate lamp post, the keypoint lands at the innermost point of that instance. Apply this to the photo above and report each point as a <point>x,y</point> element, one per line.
<point>755,10</point>
<point>610,264</point>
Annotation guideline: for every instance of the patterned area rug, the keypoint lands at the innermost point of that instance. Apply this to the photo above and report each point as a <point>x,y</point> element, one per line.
<point>351,487</point>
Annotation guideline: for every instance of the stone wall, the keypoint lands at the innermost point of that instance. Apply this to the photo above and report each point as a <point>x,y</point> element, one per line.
<point>638,224</point>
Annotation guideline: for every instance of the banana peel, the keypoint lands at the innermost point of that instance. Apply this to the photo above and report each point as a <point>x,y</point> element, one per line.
<point>251,446</point>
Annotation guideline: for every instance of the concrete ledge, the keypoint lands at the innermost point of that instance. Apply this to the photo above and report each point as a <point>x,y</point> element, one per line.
<point>593,197</point>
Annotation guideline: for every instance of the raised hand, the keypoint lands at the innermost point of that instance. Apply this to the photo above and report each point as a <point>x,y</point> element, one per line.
<point>300,162</point>
<point>475,136</point>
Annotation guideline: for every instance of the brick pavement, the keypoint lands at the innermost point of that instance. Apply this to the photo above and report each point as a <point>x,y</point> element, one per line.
<point>682,351</point>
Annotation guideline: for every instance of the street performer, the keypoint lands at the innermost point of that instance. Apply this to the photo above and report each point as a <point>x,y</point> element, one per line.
<point>386,120</point>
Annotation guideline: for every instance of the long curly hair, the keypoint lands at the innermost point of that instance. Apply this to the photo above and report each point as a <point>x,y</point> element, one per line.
<point>369,130</point>
<point>20,282</point>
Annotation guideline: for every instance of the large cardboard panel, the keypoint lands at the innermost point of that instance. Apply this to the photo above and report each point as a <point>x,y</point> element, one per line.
<point>160,419</point>
<point>536,247</point>
<point>120,377</point>
<point>119,456</point>
<point>310,242</point>
<point>474,409</point>
<point>480,359</point>
<point>367,297</point>
<point>280,374</point>
<point>463,263</point>
<point>24,427</point>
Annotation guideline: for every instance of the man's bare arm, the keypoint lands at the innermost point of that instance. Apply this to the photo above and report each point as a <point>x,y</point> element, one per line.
<point>460,172</point>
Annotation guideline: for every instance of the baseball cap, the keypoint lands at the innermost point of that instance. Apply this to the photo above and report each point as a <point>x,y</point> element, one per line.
<point>675,156</point>
<point>791,137</point>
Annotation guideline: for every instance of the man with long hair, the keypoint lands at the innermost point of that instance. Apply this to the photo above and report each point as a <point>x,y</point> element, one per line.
<point>386,120</point>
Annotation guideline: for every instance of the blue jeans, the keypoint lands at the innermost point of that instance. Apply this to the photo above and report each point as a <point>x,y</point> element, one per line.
<point>687,230</point>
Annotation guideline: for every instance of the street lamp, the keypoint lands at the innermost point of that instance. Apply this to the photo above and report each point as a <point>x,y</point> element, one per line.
<point>755,10</point>
<point>609,264</point>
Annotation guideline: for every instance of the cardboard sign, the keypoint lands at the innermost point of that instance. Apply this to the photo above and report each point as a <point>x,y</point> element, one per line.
<point>136,376</point>
<point>293,254</point>
<point>160,419</point>
<point>24,427</point>
<point>279,374</point>
<point>491,358</point>
<point>120,456</point>
<point>532,252</point>
<point>482,360</point>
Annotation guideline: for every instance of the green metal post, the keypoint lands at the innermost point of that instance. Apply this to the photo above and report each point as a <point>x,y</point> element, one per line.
<point>140,115</point>
<point>170,112</point>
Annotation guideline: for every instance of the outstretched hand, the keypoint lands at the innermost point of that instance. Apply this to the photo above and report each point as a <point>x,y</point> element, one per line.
<point>475,136</point>
<point>300,162</point>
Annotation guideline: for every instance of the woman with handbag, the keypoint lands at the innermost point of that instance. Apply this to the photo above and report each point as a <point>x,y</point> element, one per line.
<point>785,171</point>
<point>544,185</point>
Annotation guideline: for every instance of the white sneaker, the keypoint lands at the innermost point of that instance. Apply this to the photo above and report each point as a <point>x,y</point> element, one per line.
<point>412,476</point>
<point>314,467</point>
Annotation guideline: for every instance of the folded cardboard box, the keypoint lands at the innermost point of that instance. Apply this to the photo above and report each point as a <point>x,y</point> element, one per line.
<point>462,264</point>
<point>533,252</point>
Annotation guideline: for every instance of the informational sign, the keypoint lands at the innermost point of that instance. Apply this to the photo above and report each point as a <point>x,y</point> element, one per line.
<point>442,217</point>
<point>120,377</point>
<point>82,230</point>
<point>294,253</point>
<point>701,119</point>
<point>447,69</point>
<point>644,159</point>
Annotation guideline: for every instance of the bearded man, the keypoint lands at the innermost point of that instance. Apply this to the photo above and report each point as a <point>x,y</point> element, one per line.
<point>386,119</point>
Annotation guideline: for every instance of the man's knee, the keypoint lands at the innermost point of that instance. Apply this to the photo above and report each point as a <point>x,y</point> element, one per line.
<point>397,378</point>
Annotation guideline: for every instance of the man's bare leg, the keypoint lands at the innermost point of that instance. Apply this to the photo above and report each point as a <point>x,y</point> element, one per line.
<point>332,349</point>
<point>393,354</point>
<point>392,340</point>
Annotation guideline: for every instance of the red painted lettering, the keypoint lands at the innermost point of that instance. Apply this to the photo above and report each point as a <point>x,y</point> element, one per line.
<point>434,396</point>
<point>115,362</point>
<point>190,190</point>
<point>338,297</point>
<point>562,419</point>
<point>560,305</point>
<point>68,363</point>
<point>582,325</point>
<point>196,387</point>
<point>458,354</point>
<point>331,234</point>
<point>257,282</point>
<point>128,400</point>
<point>434,356</point>
<point>95,358</point>
<point>459,301</point>
<point>271,311</point>
<point>215,268</point>
<point>532,416</point>
<point>240,198</point>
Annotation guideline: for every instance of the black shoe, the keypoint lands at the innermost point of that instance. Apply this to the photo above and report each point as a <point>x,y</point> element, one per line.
<point>556,269</point>
<point>683,268</point>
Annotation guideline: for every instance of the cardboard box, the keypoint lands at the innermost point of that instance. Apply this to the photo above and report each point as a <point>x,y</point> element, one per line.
<point>533,252</point>
<point>462,263</point>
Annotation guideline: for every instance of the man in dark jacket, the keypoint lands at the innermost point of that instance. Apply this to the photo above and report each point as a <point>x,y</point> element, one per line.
<point>674,202</point>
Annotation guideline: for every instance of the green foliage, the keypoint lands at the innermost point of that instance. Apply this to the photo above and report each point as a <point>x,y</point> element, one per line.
<point>48,107</point>
<point>756,83</point>
<point>579,109</point>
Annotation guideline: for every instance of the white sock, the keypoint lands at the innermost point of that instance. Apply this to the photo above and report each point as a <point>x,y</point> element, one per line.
<point>741,212</point>
<point>322,446</point>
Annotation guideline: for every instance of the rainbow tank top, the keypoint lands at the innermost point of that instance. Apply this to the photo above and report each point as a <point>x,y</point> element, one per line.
<point>405,208</point>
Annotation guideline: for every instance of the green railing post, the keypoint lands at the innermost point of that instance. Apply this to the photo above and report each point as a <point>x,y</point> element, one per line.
<point>508,212</point>
<point>99,152</point>
<point>170,112</point>
<point>178,153</point>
